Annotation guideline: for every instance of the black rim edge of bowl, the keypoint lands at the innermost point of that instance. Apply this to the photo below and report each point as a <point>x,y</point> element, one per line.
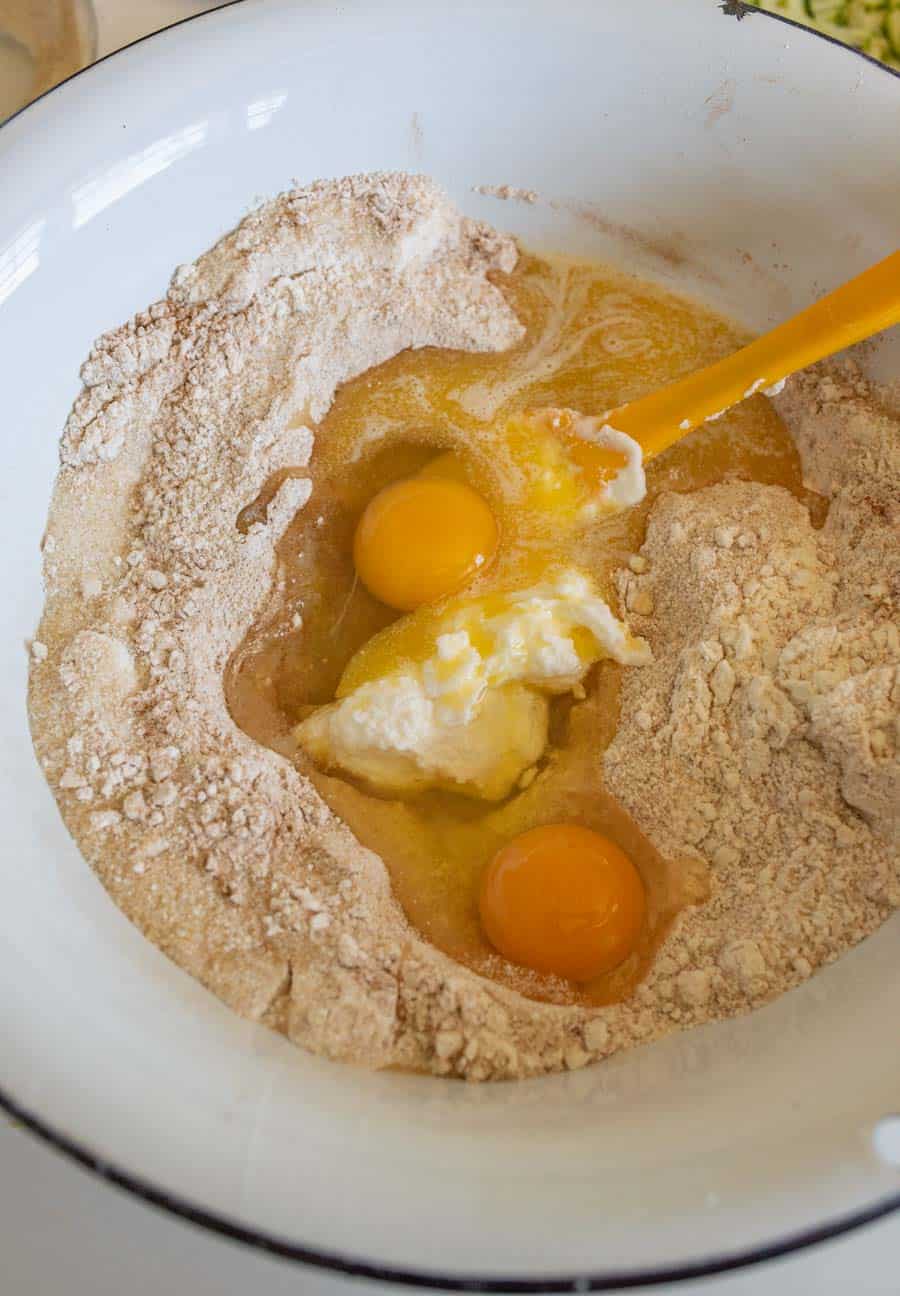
<point>172,1204</point>
<point>435,1280</point>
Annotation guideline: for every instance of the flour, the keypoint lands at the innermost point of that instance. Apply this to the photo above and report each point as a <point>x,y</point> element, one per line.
<point>507,192</point>
<point>767,725</point>
<point>765,731</point>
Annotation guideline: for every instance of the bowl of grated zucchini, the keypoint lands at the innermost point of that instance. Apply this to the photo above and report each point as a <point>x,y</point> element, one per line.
<point>752,164</point>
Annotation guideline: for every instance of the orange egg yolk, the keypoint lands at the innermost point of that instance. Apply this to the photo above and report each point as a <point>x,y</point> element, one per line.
<point>421,539</point>
<point>563,900</point>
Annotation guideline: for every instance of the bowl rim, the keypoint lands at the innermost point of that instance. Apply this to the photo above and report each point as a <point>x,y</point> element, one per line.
<point>336,1262</point>
<point>342,1264</point>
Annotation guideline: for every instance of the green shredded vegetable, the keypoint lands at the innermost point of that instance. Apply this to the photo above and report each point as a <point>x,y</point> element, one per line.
<point>869,25</point>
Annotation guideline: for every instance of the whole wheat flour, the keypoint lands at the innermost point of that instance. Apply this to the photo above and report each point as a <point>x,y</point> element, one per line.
<point>767,728</point>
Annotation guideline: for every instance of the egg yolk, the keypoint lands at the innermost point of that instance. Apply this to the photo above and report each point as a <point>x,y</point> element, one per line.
<point>563,900</point>
<point>421,539</point>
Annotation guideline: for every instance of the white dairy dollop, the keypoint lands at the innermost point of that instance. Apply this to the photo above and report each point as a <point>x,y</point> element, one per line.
<point>473,715</point>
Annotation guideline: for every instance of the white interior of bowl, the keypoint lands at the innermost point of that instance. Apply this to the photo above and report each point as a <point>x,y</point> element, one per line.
<point>752,163</point>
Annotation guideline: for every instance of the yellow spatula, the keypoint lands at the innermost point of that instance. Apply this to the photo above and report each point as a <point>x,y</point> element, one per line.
<point>865,305</point>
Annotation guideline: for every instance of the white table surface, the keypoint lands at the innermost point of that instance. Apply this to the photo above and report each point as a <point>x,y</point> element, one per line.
<point>65,1233</point>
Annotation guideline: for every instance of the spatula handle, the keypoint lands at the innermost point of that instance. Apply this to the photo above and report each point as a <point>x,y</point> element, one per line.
<point>856,310</point>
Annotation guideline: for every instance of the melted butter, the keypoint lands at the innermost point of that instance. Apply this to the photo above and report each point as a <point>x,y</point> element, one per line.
<point>594,339</point>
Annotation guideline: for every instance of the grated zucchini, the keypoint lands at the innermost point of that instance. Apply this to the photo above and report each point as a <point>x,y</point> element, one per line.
<point>869,25</point>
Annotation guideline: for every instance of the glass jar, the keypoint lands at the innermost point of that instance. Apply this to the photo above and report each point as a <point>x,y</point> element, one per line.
<point>41,43</point>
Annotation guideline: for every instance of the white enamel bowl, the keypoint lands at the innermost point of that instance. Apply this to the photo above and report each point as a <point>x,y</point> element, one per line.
<point>751,162</point>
